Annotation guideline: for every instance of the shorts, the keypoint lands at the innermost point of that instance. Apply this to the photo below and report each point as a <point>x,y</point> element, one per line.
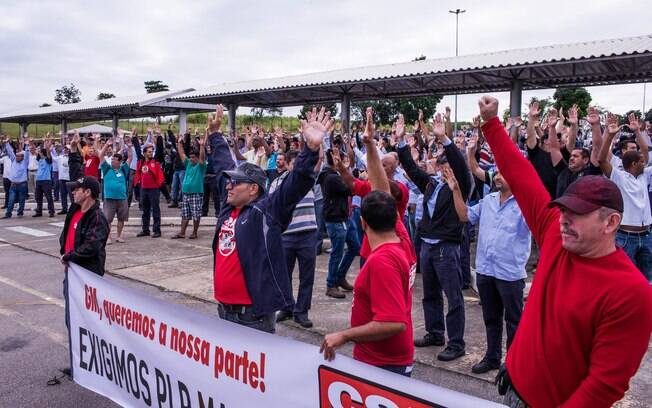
<point>113,207</point>
<point>191,206</point>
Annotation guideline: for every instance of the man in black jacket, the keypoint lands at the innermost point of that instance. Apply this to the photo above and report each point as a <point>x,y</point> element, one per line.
<point>340,228</point>
<point>441,234</point>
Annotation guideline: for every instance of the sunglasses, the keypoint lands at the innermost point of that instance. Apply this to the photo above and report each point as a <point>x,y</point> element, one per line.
<point>234,183</point>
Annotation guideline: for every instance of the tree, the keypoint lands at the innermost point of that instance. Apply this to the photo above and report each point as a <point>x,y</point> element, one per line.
<point>44,105</point>
<point>155,86</point>
<point>386,110</point>
<point>648,116</point>
<point>331,107</point>
<point>567,97</point>
<point>105,95</point>
<point>67,94</point>
<point>258,112</point>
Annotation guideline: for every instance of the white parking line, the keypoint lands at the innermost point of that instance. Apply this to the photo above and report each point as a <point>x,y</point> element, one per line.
<point>57,224</point>
<point>30,231</point>
<point>10,282</point>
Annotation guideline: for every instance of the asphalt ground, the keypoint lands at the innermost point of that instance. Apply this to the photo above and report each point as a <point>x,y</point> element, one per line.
<point>33,341</point>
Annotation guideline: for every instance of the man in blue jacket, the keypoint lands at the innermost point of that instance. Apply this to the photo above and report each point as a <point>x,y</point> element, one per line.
<point>251,282</point>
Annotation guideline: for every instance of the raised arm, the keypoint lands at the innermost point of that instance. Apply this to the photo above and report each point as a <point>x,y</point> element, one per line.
<point>555,148</point>
<point>220,152</point>
<point>529,191</point>
<point>573,120</point>
<point>202,148</point>
<point>609,133</point>
<point>447,122</point>
<point>181,150</point>
<point>532,118</point>
<point>377,176</point>
<point>419,177</point>
<point>635,126</point>
<point>460,204</point>
<point>454,157</point>
<point>472,149</point>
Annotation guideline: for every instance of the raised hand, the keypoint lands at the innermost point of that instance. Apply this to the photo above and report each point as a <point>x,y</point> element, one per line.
<point>400,127</point>
<point>215,120</point>
<point>369,129</point>
<point>573,117</point>
<point>612,124</point>
<point>634,124</point>
<point>449,178</point>
<point>438,128</point>
<point>552,119</point>
<point>337,159</point>
<point>315,127</point>
<point>472,147</point>
<point>447,115</point>
<point>475,123</point>
<point>488,107</point>
<point>134,132</point>
<point>534,111</point>
<point>593,116</point>
<point>509,123</point>
<point>518,121</point>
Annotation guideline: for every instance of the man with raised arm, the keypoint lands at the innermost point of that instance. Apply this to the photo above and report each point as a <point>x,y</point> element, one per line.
<point>251,279</point>
<point>588,318</point>
<point>633,180</point>
<point>381,318</point>
<point>192,187</point>
<point>441,234</point>
<point>17,176</point>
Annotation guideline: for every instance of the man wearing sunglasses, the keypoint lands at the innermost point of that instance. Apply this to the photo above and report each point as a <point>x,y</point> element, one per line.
<point>251,281</point>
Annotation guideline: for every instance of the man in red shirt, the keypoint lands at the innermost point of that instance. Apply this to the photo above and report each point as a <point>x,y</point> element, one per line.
<point>588,317</point>
<point>149,176</point>
<point>381,314</point>
<point>92,160</point>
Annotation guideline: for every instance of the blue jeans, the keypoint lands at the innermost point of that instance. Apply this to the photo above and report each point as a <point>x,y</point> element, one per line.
<point>17,191</point>
<point>441,271</point>
<point>355,218</point>
<point>340,262</point>
<point>177,182</point>
<point>638,248</point>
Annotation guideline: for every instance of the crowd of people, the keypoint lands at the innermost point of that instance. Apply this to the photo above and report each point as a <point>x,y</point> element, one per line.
<point>406,202</point>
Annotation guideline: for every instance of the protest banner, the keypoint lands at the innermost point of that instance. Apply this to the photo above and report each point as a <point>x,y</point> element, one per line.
<point>140,352</point>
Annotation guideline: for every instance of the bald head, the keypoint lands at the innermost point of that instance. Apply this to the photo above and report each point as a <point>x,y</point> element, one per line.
<point>390,163</point>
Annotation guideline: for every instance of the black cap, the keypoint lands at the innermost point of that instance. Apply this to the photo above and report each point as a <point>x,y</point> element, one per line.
<point>86,182</point>
<point>249,173</point>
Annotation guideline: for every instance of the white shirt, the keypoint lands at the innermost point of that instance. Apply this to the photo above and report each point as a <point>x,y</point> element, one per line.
<point>635,196</point>
<point>6,167</point>
<point>33,163</point>
<point>62,164</point>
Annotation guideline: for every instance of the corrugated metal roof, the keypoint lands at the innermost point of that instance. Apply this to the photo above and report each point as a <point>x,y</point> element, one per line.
<point>105,104</point>
<point>509,58</point>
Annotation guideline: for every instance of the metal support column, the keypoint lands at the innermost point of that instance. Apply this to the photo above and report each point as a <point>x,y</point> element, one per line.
<point>182,122</point>
<point>515,95</point>
<point>115,123</point>
<point>232,110</point>
<point>23,129</point>
<point>64,131</point>
<point>346,113</point>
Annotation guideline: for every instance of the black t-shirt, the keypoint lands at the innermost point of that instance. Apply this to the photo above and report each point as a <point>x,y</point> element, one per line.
<point>566,177</point>
<point>543,165</point>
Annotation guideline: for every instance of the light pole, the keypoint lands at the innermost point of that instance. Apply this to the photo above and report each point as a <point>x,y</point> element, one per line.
<point>457,13</point>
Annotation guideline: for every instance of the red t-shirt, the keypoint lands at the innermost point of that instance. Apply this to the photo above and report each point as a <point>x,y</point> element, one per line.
<point>383,293</point>
<point>587,322</point>
<point>72,229</point>
<point>229,283</point>
<point>362,188</point>
<point>92,166</point>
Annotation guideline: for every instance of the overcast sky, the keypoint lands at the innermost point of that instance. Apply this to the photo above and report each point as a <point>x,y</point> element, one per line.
<point>115,46</point>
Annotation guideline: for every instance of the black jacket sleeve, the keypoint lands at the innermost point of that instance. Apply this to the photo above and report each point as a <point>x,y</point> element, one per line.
<point>75,165</point>
<point>459,167</point>
<point>418,176</point>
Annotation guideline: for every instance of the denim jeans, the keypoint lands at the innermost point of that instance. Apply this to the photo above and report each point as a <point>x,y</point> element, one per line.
<point>6,184</point>
<point>639,249</point>
<point>177,182</point>
<point>500,298</point>
<point>339,261</point>
<point>300,247</point>
<point>17,192</point>
<point>245,317</point>
<point>150,201</point>
<point>440,271</point>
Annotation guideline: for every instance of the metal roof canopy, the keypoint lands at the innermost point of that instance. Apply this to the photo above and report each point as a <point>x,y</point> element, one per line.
<point>126,107</point>
<point>605,62</point>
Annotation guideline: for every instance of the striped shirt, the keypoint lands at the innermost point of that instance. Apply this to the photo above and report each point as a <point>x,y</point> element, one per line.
<point>303,217</point>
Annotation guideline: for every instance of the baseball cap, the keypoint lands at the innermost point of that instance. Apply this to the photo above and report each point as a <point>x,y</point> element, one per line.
<point>590,193</point>
<point>250,173</point>
<point>86,182</point>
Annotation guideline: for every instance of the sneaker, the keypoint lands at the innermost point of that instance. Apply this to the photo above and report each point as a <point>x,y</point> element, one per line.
<point>303,321</point>
<point>335,293</point>
<point>430,340</point>
<point>450,354</point>
<point>485,365</point>
<point>345,286</point>
<point>66,371</point>
<point>143,234</point>
<point>62,212</point>
<point>283,315</point>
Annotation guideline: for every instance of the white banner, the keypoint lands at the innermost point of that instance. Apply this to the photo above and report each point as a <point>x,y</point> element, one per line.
<point>141,352</point>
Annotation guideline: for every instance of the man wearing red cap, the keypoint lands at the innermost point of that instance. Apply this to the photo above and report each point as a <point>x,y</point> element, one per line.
<point>588,317</point>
